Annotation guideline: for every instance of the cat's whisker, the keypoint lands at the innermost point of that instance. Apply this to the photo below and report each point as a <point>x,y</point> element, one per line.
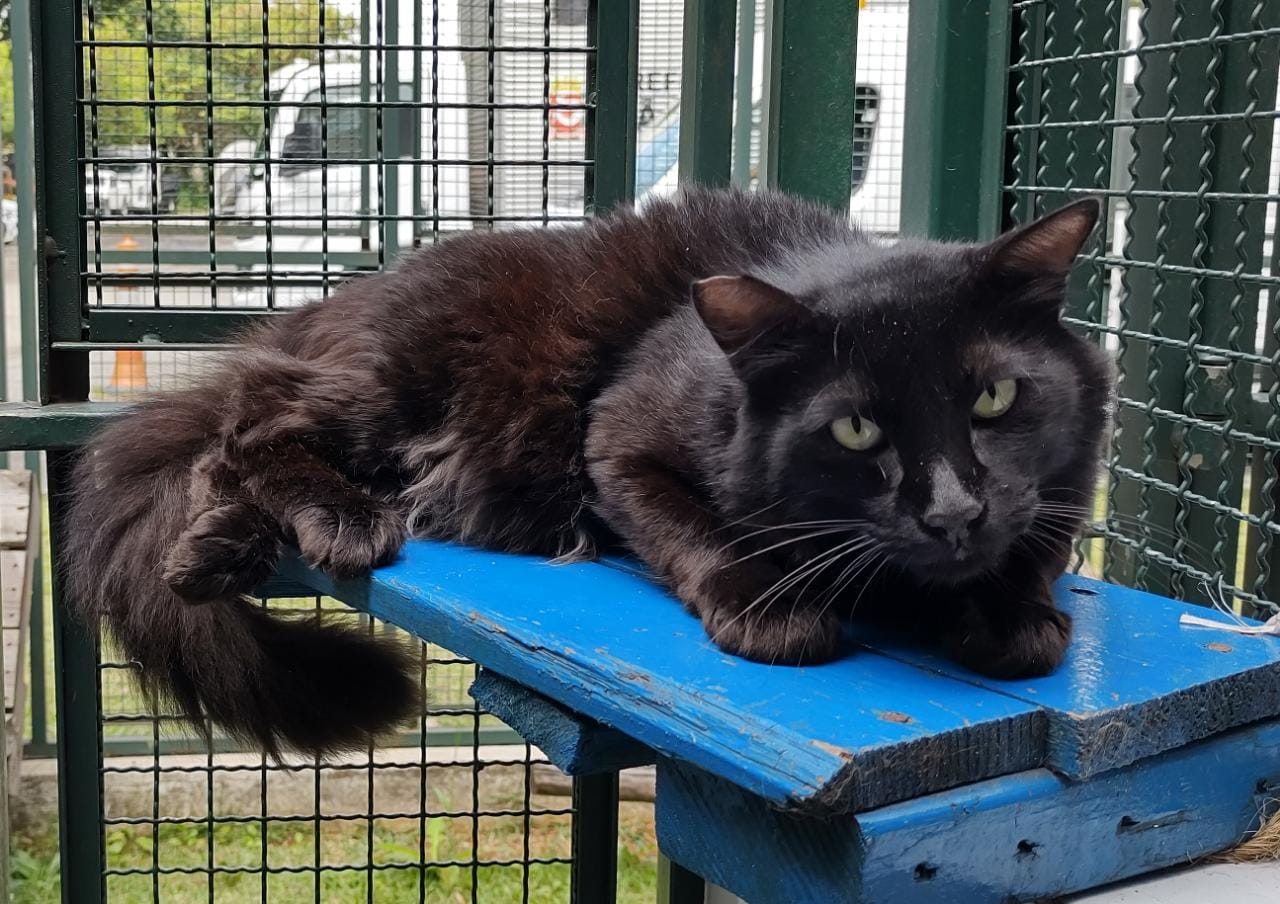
<point>759,511</point>
<point>821,612</point>
<point>787,542</point>
<point>867,583</point>
<point>853,550</point>
<point>780,586</point>
<point>842,523</point>
<point>851,571</point>
<point>1153,532</point>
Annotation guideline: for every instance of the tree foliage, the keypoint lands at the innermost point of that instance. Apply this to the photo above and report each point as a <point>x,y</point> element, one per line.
<point>163,94</point>
<point>168,95</point>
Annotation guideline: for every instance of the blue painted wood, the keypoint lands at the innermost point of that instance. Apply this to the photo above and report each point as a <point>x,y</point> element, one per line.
<point>607,643</point>
<point>1015,838</point>
<point>574,744</point>
<point>1135,683</point>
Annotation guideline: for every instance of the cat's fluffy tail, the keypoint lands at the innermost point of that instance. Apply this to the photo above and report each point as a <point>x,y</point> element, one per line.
<point>274,681</point>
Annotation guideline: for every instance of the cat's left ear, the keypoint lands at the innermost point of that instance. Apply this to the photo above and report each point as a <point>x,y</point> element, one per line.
<point>1046,247</point>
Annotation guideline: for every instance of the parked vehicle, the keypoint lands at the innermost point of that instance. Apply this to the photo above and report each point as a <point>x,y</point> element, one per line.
<point>398,166</point>
<point>125,186</point>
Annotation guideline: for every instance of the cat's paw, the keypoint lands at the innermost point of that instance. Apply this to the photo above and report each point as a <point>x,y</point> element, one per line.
<point>780,634</point>
<point>350,538</point>
<point>1027,640</point>
<point>225,551</point>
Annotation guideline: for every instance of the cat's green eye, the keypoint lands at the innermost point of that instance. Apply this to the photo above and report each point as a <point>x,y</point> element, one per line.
<point>996,399</point>
<point>856,433</point>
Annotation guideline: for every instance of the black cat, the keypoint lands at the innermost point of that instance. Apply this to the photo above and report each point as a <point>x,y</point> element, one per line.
<point>786,420</point>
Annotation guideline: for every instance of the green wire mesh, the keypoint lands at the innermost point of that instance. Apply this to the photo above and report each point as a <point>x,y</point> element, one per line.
<point>1166,111</point>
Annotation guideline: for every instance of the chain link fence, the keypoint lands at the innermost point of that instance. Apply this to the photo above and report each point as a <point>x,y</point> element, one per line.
<point>1167,111</point>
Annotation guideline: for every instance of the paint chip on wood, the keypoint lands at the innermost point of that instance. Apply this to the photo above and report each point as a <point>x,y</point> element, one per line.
<point>832,748</point>
<point>891,716</point>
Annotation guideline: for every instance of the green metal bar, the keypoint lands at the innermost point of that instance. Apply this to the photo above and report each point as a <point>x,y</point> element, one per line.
<point>953,162</point>
<point>56,426</point>
<point>595,839</point>
<point>366,181</point>
<point>1028,35</point>
<point>177,746</point>
<point>171,325</point>
<point>59,183</point>
<point>706,92</point>
<point>4,378</point>
<point>284,260</point>
<point>1166,156</point>
<point>1234,238</point>
<point>392,147</point>
<point>79,734</point>
<point>28,319</point>
<point>612,72</point>
<point>1080,157</point>
<point>24,176</point>
<point>415,92</point>
<point>677,885</point>
<point>744,101</point>
<point>809,109</point>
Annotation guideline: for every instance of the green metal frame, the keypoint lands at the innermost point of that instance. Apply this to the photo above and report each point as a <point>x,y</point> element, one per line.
<point>612,73</point>
<point>957,57</point>
<point>706,92</point>
<point>807,145</point>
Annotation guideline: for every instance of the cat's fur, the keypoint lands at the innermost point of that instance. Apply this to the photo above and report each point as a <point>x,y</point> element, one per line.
<point>563,392</point>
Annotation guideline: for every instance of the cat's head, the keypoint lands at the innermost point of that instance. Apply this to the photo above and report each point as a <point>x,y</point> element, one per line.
<point>927,393</point>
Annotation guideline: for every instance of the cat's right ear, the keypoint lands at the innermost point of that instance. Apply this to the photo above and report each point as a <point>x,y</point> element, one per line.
<point>758,326</point>
<point>747,316</point>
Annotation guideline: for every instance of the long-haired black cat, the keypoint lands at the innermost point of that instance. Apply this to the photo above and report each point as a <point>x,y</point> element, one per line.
<point>787,421</point>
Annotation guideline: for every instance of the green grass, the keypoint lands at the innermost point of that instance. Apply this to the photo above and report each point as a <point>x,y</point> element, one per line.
<point>35,879</point>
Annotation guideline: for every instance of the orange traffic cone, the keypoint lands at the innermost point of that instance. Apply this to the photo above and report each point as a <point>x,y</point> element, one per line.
<point>130,370</point>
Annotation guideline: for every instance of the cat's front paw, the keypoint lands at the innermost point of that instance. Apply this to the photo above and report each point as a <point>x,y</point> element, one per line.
<point>1026,640</point>
<point>782,633</point>
<point>225,551</point>
<point>349,538</point>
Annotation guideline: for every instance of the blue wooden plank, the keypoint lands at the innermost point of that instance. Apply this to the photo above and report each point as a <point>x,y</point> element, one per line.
<point>607,643</point>
<point>1135,682</point>
<point>1021,837</point>
<point>575,744</point>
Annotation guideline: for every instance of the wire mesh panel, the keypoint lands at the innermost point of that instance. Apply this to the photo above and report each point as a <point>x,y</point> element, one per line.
<point>452,817</point>
<point>244,155</point>
<point>1166,111</point>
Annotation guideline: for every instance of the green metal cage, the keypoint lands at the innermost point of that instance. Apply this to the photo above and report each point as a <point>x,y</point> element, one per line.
<point>198,164</point>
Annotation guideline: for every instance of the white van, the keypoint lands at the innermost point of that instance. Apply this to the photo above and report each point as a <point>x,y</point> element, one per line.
<point>421,199</point>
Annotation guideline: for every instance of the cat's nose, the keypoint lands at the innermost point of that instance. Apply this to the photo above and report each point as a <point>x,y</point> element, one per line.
<point>954,523</point>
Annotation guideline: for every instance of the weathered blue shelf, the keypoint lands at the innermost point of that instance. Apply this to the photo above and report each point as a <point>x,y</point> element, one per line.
<point>575,744</point>
<point>1135,683</point>
<point>889,775</point>
<point>607,643</point>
